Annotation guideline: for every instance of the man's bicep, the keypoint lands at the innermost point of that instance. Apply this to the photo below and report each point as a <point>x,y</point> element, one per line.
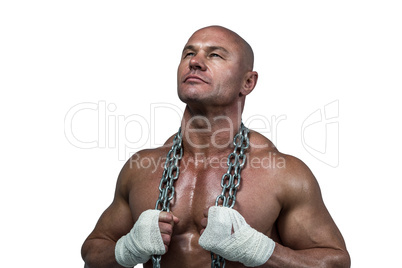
<point>117,219</point>
<point>304,221</point>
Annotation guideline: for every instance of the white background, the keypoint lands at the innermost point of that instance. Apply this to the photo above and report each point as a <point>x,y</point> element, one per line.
<point>57,54</point>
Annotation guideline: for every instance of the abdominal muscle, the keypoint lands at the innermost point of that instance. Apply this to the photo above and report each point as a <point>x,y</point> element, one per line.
<point>185,252</point>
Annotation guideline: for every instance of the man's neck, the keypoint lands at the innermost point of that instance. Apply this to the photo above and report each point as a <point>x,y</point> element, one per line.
<point>209,133</point>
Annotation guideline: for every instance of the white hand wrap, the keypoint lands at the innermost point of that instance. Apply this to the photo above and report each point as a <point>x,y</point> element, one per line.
<point>245,245</point>
<point>143,241</point>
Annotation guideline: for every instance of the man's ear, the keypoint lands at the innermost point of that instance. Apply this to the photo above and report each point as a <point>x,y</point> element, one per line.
<point>250,81</point>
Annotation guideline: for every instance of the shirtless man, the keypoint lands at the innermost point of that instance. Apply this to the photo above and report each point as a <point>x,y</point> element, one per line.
<point>283,220</point>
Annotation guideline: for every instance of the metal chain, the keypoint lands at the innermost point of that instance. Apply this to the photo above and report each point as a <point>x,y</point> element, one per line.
<point>170,174</point>
<point>230,181</point>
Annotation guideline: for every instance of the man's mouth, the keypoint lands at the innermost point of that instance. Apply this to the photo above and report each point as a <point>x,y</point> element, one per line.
<point>194,79</point>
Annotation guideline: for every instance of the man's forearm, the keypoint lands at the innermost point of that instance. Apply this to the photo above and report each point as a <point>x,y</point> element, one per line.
<point>315,257</point>
<point>99,253</point>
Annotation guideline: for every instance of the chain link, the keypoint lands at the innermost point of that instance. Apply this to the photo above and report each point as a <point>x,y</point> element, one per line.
<point>170,174</point>
<point>230,181</point>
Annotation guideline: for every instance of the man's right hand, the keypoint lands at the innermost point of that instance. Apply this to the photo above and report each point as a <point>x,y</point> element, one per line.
<point>166,223</point>
<point>151,235</point>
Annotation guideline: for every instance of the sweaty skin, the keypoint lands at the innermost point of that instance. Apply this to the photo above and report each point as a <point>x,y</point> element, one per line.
<point>278,196</point>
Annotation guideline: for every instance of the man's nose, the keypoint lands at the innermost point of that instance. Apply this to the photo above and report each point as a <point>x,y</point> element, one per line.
<point>197,63</point>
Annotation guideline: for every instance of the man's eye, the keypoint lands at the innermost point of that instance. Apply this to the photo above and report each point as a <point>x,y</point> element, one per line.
<point>214,55</point>
<point>189,54</point>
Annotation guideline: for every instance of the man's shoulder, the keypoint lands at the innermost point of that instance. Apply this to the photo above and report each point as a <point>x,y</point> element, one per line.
<point>145,161</point>
<point>291,173</point>
<point>259,141</point>
<point>260,146</point>
<point>153,153</point>
<point>297,182</point>
<point>263,149</point>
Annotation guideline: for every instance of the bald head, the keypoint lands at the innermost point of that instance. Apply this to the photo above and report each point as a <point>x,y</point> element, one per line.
<point>244,48</point>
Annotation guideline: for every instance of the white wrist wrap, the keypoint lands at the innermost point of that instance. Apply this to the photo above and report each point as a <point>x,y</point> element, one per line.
<point>245,245</point>
<point>143,241</point>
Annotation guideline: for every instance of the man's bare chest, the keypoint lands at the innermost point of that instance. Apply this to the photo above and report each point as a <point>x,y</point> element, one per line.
<point>196,191</point>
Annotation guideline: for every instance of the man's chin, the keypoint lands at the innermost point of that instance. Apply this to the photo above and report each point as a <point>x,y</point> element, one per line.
<point>193,94</point>
<point>195,100</point>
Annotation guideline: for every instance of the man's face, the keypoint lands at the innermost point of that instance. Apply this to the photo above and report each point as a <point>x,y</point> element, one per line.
<point>211,69</point>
